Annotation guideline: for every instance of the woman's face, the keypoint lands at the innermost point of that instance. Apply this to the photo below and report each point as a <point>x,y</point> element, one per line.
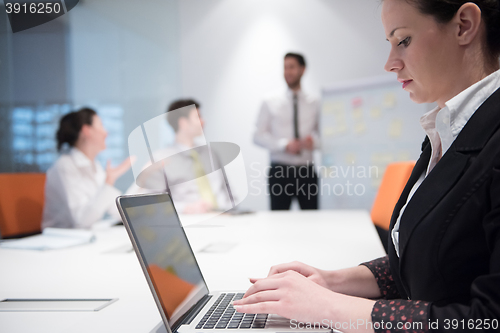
<point>97,134</point>
<point>423,53</point>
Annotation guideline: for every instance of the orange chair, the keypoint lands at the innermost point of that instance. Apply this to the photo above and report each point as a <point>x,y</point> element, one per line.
<point>395,177</point>
<point>21,203</point>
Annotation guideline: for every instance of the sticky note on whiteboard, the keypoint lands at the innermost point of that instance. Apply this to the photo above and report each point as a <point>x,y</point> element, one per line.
<point>375,112</point>
<point>357,114</point>
<point>360,128</point>
<point>395,128</point>
<point>390,100</point>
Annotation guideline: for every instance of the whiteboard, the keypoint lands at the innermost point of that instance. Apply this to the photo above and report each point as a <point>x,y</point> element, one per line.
<point>365,125</point>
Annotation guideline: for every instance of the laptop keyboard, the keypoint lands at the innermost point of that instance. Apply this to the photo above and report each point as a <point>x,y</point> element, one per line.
<point>222,315</point>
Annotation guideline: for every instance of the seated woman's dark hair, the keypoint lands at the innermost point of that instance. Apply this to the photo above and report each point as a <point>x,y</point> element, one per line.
<point>71,124</point>
<point>444,10</point>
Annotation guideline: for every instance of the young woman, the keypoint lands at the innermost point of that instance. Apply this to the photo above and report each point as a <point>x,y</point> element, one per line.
<point>78,191</point>
<point>443,268</point>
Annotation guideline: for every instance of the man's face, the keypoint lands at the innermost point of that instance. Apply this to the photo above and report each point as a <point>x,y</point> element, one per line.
<point>195,123</point>
<point>293,72</point>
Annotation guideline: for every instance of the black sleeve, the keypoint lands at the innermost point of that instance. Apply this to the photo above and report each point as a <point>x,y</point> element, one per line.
<point>401,316</point>
<point>391,314</point>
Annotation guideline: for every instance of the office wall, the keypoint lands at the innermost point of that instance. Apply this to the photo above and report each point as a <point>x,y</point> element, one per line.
<point>112,54</point>
<point>6,92</point>
<point>232,57</point>
<point>32,74</point>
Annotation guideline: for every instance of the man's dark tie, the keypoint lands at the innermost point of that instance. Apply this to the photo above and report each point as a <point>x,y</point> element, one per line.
<point>295,116</point>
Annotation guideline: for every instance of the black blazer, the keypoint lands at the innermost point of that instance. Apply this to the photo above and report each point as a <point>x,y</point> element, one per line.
<point>450,231</point>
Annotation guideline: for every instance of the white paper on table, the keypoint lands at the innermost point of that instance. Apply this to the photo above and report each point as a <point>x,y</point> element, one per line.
<point>51,239</point>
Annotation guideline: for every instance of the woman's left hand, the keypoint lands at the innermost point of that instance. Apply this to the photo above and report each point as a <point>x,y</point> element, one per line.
<point>294,296</point>
<point>290,295</point>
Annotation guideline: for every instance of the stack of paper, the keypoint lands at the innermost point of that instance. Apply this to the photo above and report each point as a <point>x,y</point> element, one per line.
<point>51,239</point>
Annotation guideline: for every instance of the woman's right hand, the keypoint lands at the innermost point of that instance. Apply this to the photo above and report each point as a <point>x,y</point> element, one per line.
<point>314,274</point>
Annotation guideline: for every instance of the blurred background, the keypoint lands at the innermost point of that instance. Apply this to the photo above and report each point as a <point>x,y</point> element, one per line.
<point>130,59</point>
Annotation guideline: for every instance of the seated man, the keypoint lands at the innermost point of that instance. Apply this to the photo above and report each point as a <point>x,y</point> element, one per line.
<point>189,171</point>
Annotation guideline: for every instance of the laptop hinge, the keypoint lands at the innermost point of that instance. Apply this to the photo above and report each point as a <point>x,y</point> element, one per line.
<point>193,312</point>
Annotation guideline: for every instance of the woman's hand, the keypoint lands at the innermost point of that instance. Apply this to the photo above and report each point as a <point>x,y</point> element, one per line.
<point>314,274</point>
<point>296,297</point>
<point>113,173</point>
<point>354,281</point>
<point>291,295</point>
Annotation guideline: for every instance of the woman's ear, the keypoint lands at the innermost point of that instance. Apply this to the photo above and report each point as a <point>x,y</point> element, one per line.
<point>468,20</point>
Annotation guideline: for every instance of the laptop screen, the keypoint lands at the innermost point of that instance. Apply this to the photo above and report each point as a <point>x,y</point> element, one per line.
<point>165,252</point>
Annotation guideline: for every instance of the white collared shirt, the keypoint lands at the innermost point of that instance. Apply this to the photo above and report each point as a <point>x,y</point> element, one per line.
<point>275,126</point>
<point>183,186</point>
<point>443,126</point>
<point>76,195</point>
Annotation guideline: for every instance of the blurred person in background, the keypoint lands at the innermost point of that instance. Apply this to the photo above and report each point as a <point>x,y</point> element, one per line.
<point>186,170</point>
<point>78,190</point>
<point>287,126</point>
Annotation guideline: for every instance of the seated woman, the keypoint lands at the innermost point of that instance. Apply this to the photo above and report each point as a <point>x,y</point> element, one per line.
<point>442,273</point>
<point>78,191</point>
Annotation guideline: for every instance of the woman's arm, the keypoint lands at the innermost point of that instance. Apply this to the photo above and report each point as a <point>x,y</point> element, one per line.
<point>298,298</point>
<point>308,295</point>
<point>355,281</point>
<point>297,291</point>
<point>360,281</point>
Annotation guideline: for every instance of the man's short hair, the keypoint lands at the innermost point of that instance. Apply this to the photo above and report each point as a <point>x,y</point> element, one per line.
<point>173,117</point>
<point>299,57</point>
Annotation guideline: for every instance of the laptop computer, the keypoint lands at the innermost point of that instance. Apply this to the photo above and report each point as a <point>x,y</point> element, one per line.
<point>174,277</point>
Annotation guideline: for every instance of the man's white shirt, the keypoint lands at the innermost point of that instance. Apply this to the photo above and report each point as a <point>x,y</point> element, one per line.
<point>275,126</point>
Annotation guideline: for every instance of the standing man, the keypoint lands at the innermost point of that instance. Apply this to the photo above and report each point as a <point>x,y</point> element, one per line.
<point>288,127</point>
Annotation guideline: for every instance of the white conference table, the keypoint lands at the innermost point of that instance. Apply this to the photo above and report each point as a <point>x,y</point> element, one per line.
<point>229,250</point>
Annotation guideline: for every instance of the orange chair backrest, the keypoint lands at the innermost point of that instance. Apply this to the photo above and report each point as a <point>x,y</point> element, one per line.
<point>21,203</point>
<point>395,178</point>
